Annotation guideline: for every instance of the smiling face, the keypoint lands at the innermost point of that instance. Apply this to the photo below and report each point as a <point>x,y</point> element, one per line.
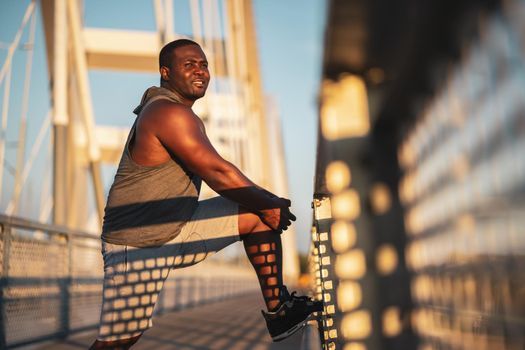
<point>188,75</point>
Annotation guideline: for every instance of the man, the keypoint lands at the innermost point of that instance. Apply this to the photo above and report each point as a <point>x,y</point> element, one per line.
<point>154,222</point>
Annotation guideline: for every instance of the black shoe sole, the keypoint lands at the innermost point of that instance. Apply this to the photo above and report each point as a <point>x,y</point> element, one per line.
<point>290,331</point>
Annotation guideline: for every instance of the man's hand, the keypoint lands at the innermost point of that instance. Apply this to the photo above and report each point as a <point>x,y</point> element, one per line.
<point>274,211</point>
<point>279,218</point>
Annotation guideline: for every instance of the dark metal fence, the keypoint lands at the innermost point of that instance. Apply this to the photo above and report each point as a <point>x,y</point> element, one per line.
<point>464,188</point>
<point>418,232</point>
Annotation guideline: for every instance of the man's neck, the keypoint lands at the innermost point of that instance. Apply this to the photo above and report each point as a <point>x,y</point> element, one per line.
<point>183,100</point>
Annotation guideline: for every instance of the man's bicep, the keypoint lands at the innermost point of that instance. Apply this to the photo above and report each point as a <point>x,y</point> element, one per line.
<point>183,137</point>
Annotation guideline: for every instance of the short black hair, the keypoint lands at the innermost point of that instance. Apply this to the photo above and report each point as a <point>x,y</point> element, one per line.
<point>166,53</point>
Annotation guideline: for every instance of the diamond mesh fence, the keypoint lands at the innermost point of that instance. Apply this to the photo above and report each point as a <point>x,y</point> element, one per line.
<point>51,282</point>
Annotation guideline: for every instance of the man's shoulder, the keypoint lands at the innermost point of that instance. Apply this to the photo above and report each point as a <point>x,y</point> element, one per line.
<point>166,114</point>
<point>165,110</point>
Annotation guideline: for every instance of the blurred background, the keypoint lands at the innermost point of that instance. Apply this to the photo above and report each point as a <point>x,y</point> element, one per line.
<point>396,128</point>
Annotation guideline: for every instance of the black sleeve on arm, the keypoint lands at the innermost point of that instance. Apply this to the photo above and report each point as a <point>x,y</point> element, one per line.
<point>255,198</point>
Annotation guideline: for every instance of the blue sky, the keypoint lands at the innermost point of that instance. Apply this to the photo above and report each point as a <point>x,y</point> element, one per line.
<point>289,35</point>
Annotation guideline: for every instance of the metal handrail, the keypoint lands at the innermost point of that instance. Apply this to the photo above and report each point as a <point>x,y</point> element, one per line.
<point>26,224</point>
<point>29,295</point>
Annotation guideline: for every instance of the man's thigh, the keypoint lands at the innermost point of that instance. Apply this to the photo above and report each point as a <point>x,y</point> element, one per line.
<point>213,226</point>
<point>133,279</point>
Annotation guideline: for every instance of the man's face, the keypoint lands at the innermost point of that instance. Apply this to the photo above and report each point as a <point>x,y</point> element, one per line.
<point>188,75</point>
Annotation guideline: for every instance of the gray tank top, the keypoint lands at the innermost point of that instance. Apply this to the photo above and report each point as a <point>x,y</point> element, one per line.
<point>148,205</point>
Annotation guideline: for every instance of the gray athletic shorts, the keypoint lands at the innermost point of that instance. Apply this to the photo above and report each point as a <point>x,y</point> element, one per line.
<point>133,277</point>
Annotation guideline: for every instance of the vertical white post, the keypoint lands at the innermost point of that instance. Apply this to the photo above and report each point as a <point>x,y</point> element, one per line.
<point>232,127</point>
<point>81,73</point>
<point>160,20</point>
<point>255,170</point>
<point>170,21</point>
<point>164,19</point>
<point>5,110</point>
<point>196,24</point>
<point>208,36</point>
<point>233,72</point>
<point>60,116</point>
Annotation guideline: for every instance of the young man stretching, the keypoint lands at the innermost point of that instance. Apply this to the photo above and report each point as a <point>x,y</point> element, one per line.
<point>154,222</point>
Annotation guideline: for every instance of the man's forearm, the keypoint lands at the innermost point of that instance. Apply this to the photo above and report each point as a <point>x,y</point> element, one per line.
<point>252,198</point>
<point>231,183</point>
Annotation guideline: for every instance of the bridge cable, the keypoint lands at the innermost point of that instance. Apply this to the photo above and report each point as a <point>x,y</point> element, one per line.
<point>14,44</point>
<point>20,154</point>
<point>27,168</point>
<point>6,73</point>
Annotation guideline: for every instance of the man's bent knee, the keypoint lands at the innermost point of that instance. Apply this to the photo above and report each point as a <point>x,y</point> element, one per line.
<point>249,223</point>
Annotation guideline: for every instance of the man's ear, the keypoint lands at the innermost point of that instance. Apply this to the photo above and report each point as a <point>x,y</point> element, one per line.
<point>164,73</point>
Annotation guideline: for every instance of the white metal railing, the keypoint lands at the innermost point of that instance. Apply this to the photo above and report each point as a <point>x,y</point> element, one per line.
<point>51,282</point>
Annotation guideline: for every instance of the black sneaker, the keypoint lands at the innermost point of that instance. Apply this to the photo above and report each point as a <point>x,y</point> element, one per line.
<point>291,315</point>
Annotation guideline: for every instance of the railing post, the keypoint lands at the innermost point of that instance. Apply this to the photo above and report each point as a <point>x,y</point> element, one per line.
<point>326,283</point>
<point>64,286</point>
<point>5,232</point>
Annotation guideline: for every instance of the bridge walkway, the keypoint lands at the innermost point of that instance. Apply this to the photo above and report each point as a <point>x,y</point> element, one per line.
<point>233,324</point>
